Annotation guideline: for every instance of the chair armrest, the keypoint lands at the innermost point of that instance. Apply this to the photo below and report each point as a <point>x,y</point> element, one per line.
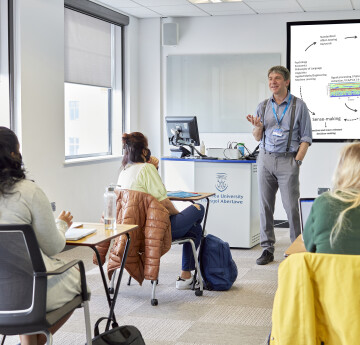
<point>65,268</point>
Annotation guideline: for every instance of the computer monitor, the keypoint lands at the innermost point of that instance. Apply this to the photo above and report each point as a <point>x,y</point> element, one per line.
<point>183,130</point>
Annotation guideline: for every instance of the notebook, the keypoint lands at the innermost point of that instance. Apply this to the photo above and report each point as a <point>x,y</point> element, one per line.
<point>181,194</point>
<point>74,234</point>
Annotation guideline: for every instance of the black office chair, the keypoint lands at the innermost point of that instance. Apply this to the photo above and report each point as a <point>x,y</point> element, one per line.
<point>23,285</point>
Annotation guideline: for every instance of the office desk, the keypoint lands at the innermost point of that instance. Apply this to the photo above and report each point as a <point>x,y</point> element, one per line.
<point>100,236</point>
<point>193,200</point>
<point>296,247</point>
<point>234,216</point>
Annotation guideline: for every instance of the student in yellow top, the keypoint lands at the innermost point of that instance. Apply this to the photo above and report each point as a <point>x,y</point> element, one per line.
<point>140,173</point>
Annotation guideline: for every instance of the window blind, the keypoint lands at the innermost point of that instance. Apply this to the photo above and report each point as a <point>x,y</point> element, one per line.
<point>87,50</point>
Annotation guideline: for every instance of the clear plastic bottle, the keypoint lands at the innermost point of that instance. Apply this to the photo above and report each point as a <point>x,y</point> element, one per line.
<point>110,208</point>
<point>202,148</point>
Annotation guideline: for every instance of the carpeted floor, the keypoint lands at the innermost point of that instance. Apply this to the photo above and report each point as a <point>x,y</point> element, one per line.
<point>240,316</point>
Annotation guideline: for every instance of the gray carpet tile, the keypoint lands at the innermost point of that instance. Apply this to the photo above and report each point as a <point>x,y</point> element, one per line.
<point>240,316</point>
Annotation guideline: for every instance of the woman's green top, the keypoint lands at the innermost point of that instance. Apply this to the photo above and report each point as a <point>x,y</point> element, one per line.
<point>322,218</point>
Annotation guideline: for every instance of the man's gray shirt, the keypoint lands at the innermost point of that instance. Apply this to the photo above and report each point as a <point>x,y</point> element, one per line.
<point>302,131</point>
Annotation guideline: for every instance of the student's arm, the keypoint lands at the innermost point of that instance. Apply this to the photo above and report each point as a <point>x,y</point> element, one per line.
<point>51,238</point>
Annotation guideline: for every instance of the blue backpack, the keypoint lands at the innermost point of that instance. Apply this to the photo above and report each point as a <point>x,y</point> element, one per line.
<point>217,266</point>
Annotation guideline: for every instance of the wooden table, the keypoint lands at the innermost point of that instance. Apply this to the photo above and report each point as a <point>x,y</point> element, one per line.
<point>195,198</point>
<point>297,246</point>
<point>101,236</point>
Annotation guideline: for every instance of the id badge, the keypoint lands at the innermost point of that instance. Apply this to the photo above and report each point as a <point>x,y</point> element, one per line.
<point>278,132</point>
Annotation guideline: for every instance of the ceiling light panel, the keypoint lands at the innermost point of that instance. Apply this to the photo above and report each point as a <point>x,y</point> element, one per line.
<point>275,6</point>
<point>326,5</point>
<point>226,8</point>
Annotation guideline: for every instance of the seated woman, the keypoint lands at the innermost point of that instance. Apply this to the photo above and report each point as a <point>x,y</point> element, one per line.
<point>334,221</point>
<point>23,202</point>
<point>137,174</point>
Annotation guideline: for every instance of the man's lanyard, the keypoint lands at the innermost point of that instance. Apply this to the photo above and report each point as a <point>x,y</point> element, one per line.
<point>286,108</point>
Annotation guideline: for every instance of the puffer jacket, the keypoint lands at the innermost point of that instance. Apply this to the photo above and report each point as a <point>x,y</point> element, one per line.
<point>149,241</point>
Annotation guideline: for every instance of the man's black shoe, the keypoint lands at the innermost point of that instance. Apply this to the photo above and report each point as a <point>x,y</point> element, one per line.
<point>265,258</point>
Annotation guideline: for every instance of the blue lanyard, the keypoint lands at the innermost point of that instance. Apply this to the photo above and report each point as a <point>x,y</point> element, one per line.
<point>286,108</point>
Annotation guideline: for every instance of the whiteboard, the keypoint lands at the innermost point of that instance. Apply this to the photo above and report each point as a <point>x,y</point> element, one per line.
<point>323,58</point>
<point>219,89</point>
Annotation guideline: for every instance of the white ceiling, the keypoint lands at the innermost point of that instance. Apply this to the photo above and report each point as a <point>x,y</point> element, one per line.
<point>183,8</point>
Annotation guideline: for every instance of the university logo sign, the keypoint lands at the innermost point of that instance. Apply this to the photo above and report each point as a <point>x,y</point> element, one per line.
<point>221,184</point>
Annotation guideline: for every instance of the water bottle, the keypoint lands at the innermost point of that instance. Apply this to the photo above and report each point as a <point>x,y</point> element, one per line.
<point>202,148</point>
<point>110,208</point>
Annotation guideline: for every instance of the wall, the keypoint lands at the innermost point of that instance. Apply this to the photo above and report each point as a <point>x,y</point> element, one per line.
<point>40,110</point>
<point>149,107</point>
<point>248,34</point>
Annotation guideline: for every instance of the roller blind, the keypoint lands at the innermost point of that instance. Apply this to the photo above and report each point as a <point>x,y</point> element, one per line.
<point>87,50</point>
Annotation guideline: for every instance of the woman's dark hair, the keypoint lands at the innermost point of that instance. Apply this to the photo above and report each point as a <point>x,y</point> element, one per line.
<point>11,165</point>
<point>134,143</point>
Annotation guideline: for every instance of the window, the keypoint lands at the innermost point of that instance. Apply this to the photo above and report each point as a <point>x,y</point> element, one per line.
<point>4,66</point>
<point>73,146</point>
<point>87,118</point>
<point>93,74</point>
<point>74,110</point>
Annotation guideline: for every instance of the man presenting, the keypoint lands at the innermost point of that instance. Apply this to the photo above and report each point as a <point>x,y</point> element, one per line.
<point>283,125</point>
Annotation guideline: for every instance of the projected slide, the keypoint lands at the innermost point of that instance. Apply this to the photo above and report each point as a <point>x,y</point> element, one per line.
<point>325,73</point>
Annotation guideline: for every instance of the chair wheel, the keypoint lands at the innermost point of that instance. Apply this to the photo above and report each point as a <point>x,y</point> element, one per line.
<point>156,281</point>
<point>198,292</point>
<point>154,302</point>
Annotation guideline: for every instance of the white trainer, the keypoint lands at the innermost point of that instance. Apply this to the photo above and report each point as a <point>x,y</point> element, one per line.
<point>184,284</point>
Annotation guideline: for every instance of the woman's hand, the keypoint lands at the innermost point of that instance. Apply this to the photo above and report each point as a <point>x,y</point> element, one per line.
<point>66,217</point>
<point>154,161</point>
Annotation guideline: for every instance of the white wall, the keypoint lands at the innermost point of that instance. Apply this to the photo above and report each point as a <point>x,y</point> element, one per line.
<point>149,107</point>
<point>239,35</point>
<point>40,37</point>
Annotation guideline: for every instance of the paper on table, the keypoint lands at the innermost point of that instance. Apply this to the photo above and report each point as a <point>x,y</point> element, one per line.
<point>76,225</point>
<point>74,234</point>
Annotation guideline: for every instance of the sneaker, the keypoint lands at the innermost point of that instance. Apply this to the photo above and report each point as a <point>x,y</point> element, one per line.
<point>184,284</point>
<point>265,258</point>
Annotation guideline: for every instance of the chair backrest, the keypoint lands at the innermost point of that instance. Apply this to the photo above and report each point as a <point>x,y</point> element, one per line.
<point>317,300</point>
<point>22,283</point>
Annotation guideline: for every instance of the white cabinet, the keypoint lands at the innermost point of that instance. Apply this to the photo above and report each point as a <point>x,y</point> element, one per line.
<point>234,210</point>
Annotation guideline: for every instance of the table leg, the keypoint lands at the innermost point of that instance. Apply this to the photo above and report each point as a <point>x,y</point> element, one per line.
<point>206,214</point>
<point>102,276</point>
<point>123,261</point>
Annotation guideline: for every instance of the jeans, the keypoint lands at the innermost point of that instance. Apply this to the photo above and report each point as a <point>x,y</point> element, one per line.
<point>188,224</point>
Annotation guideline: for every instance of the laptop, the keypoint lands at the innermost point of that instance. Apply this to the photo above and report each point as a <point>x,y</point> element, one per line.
<point>298,246</point>
<point>74,234</point>
<point>305,205</point>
